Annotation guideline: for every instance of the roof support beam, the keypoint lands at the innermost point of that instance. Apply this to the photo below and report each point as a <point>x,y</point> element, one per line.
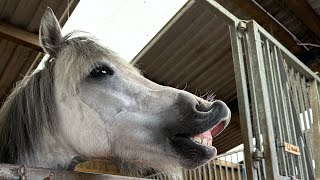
<point>19,36</point>
<point>303,11</point>
<point>260,16</point>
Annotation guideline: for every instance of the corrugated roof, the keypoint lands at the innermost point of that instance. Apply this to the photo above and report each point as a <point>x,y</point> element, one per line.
<point>16,59</point>
<point>193,51</point>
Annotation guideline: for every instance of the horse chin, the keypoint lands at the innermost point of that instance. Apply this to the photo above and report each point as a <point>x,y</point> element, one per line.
<point>192,154</point>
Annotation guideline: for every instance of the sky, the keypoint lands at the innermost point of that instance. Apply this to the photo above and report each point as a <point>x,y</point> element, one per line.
<point>125,26</point>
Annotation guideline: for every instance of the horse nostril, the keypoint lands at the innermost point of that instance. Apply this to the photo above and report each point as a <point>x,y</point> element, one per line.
<point>201,107</point>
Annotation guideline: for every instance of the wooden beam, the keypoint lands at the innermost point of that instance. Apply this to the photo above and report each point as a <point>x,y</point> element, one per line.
<point>270,25</point>
<point>303,11</point>
<point>19,36</point>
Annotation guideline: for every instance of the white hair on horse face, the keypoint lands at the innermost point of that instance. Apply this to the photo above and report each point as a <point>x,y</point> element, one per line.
<point>89,103</point>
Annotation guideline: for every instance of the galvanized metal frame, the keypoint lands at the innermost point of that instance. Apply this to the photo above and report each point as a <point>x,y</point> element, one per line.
<point>253,79</point>
<point>209,171</point>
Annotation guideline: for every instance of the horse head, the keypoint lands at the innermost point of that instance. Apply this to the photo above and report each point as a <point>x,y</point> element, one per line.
<point>105,109</point>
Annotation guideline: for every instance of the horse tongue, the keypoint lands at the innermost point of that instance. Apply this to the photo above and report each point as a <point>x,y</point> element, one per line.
<point>216,130</point>
<point>213,132</point>
<point>206,134</point>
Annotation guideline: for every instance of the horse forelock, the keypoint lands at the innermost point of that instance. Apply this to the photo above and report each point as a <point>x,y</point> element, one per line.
<point>28,111</point>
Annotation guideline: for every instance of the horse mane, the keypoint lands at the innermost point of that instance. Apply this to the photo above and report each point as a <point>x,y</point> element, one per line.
<point>27,111</point>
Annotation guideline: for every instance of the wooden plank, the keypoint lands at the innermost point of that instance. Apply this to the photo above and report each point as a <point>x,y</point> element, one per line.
<point>20,36</point>
<point>302,10</point>
<point>9,171</point>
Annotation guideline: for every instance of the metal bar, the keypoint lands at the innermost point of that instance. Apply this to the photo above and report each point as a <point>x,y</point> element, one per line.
<point>199,173</point>
<point>220,169</point>
<point>263,98</point>
<point>254,100</point>
<point>314,100</point>
<point>274,98</point>
<point>194,172</point>
<point>291,108</point>
<point>215,169</point>
<point>226,168</point>
<point>284,108</point>
<point>239,166</point>
<point>292,60</point>
<point>243,99</point>
<point>204,172</point>
<point>297,122</point>
<point>210,170</point>
<point>232,168</point>
<point>220,11</point>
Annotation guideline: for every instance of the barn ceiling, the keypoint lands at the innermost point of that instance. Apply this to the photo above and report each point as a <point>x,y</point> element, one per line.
<point>19,46</point>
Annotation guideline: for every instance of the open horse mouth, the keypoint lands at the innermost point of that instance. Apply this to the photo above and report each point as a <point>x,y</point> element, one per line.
<point>194,147</point>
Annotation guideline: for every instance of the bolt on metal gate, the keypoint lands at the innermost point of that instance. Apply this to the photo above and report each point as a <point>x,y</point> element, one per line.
<point>278,103</point>
<point>227,166</point>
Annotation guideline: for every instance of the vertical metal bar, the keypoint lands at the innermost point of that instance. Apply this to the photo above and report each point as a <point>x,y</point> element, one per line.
<point>226,167</point>
<point>284,108</point>
<point>210,170</point>
<point>199,173</point>
<point>194,172</point>
<point>232,167</point>
<point>220,169</point>
<point>291,108</point>
<point>239,167</point>
<point>263,98</point>
<point>274,98</point>
<point>204,172</point>
<point>215,169</point>
<point>243,98</point>
<point>301,104</point>
<point>190,174</point>
<point>314,100</point>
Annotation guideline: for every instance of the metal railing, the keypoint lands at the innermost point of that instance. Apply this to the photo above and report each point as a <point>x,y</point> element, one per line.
<point>277,105</point>
<point>227,166</point>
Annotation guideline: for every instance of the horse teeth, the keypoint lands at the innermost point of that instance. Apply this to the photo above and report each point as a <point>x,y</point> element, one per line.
<point>197,139</point>
<point>204,141</point>
<point>209,142</point>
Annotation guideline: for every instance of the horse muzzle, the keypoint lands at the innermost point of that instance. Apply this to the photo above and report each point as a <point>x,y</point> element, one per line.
<point>195,133</point>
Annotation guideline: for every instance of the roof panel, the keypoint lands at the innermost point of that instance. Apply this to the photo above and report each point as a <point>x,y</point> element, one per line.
<point>16,60</point>
<point>23,12</point>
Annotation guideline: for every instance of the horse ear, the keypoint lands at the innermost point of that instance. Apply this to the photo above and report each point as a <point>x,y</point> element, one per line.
<point>50,35</point>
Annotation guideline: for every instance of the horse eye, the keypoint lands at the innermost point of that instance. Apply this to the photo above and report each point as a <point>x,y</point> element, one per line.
<point>101,71</point>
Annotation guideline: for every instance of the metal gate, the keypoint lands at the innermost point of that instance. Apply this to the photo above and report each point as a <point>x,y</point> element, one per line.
<point>227,166</point>
<point>279,107</point>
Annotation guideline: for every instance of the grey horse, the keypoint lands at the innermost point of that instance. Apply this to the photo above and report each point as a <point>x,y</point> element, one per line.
<point>88,103</point>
